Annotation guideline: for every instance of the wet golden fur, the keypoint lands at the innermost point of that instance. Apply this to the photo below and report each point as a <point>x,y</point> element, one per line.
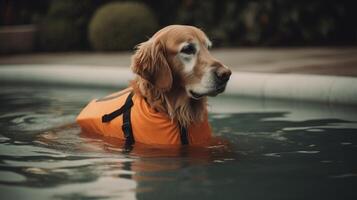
<point>161,78</point>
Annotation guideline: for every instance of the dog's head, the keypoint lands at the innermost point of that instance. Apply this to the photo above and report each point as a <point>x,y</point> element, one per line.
<point>179,56</point>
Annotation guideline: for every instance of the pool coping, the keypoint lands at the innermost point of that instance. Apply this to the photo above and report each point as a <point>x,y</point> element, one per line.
<point>299,87</point>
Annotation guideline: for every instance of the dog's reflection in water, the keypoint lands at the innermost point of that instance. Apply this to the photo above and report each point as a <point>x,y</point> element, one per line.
<point>139,157</point>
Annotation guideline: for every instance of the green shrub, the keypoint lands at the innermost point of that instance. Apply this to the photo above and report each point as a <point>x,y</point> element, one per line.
<point>120,26</point>
<point>71,9</point>
<point>65,25</point>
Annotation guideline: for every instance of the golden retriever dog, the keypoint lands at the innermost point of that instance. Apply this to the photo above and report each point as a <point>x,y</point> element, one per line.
<point>176,73</point>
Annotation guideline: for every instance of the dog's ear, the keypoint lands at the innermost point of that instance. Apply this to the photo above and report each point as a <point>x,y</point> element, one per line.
<point>149,62</point>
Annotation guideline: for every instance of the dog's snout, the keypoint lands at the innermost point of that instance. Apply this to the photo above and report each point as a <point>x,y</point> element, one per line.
<point>223,74</point>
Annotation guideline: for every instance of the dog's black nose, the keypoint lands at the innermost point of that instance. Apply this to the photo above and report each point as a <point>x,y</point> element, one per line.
<point>223,74</point>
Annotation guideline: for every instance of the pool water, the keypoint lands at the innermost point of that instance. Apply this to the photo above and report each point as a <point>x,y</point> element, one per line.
<point>275,150</point>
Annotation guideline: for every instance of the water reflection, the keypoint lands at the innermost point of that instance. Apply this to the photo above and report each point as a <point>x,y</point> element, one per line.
<point>266,150</point>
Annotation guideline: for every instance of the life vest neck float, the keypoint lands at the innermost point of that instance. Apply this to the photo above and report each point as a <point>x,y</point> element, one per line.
<point>127,116</point>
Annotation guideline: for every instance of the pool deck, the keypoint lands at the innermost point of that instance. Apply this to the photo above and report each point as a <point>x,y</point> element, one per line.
<point>324,74</point>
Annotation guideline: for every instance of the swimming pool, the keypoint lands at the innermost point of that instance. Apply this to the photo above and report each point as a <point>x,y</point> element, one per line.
<point>276,150</point>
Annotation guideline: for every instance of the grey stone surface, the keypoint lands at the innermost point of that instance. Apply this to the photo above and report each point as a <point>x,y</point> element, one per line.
<point>297,87</point>
<point>303,74</point>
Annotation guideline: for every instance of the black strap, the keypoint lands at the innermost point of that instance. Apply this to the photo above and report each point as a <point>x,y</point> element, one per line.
<point>128,104</point>
<point>126,127</point>
<point>183,135</point>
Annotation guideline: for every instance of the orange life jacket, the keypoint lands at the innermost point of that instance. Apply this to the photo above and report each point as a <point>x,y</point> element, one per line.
<point>141,123</point>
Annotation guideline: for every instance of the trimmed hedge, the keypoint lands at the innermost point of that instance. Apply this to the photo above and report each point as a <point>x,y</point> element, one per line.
<point>120,26</point>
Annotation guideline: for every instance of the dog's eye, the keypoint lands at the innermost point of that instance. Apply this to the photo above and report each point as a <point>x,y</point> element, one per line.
<point>188,49</point>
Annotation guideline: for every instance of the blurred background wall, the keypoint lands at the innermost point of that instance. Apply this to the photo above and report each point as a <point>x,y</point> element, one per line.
<point>108,25</point>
